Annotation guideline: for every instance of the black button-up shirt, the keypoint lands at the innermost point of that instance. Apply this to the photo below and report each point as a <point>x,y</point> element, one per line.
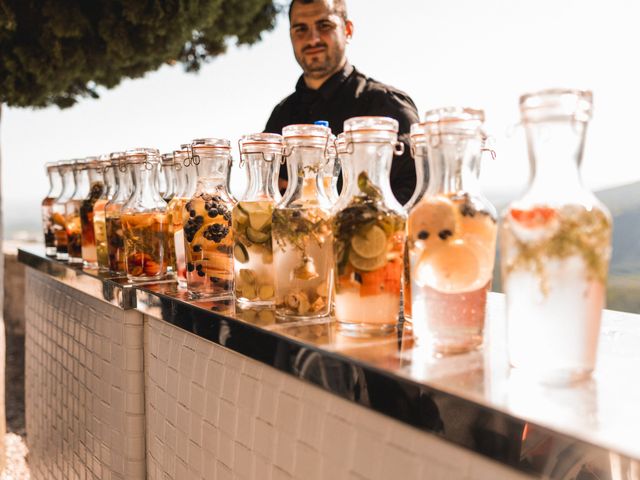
<point>347,94</point>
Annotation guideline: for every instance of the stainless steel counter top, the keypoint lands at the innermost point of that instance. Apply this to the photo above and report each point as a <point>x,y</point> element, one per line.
<point>589,430</point>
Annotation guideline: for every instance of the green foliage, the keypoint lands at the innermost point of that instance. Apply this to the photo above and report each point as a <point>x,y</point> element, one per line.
<point>56,51</point>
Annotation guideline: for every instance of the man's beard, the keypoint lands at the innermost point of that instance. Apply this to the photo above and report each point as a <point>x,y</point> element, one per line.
<point>321,67</point>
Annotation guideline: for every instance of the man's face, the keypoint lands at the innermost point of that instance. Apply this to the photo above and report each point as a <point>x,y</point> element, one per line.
<point>319,38</point>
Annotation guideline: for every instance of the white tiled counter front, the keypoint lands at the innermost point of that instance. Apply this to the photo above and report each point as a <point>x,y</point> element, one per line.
<point>215,414</point>
<point>84,385</point>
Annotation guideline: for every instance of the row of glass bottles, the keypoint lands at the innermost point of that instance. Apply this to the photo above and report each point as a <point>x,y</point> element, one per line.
<point>555,240</point>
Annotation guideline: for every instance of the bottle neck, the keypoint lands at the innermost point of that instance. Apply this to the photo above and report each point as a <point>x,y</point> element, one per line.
<point>555,154</point>
<point>261,175</point>
<point>180,173</point>
<point>55,184</point>
<point>81,177</point>
<point>371,160</point>
<point>123,184</point>
<point>453,164</point>
<point>68,185</point>
<point>110,183</point>
<point>306,177</point>
<point>145,194</point>
<point>213,173</point>
<point>169,174</point>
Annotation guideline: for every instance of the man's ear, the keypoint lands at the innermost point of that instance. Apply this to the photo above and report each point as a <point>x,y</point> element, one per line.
<point>348,29</point>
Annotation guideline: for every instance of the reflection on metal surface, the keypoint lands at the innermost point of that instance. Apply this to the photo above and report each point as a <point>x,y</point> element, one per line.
<point>586,431</point>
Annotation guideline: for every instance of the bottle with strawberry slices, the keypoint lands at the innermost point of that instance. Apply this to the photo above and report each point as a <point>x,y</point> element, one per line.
<point>555,246</point>
<point>452,234</point>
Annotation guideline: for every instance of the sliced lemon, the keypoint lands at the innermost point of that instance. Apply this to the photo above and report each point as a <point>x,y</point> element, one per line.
<point>370,244</point>
<point>240,217</point>
<point>260,219</point>
<point>367,264</point>
<point>256,236</point>
<point>433,219</point>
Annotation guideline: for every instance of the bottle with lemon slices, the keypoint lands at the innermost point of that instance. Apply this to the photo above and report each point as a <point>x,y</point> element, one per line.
<point>301,231</point>
<point>555,246</point>
<point>145,223</point>
<point>452,234</point>
<point>208,236</point>
<point>369,231</point>
<point>252,220</point>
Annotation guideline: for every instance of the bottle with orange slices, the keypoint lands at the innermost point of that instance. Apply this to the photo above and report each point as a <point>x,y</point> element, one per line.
<point>145,223</point>
<point>555,246</point>
<point>369,231</point>
<point>452,234</point>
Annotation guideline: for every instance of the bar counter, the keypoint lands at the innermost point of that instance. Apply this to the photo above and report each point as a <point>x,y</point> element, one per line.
<point>129,381</point>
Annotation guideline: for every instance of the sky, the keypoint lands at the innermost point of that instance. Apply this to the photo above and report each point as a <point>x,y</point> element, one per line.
<point>481,54</point>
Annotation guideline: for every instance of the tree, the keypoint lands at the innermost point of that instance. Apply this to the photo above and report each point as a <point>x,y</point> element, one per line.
<point>54,52</point>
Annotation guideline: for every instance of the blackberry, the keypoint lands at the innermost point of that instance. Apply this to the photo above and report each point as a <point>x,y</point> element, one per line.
<point>190,267</point>
<point>192,213</point>
<point>199,267</point>
<point>213,213</point>
<point>444,234</point>
<point>201,273</point>
<point>423,235</point>
<point>197,248</point>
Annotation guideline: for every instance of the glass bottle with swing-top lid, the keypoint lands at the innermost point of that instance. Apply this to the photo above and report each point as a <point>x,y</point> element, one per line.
<point>113,214</point>
<point>369,231</point>
<point>145,223</point>
<point>555,246</point>
<point>96,189</point>
<point>208,234</point>
<point>186,181</point>
<point>59,209</point>
<point>55,189</point>
<point>301,230</point>
<point>452,233</point>
<point>167,187</point>
<point>99,211</point>
<point>252,220</point>
<point>72,211</point>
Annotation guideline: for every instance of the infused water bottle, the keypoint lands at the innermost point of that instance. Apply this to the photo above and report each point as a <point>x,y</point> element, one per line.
<point>252,216</point>
<point>452,233</point>
<point>186,179</point>
<point>113,215</point>
<point>555,246</point>
<point>72,211</point>
<point>99,211</point>
<point>59,210</point>
<point>331,172</point>
<point>301,230</point>
<point>208,236</point>
<point>145,222</point>
<point>369,231</point>
<point>55,189</point>
<point>96,189</point>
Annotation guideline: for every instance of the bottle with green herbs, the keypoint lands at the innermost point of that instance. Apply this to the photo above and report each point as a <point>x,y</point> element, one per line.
<point>208,236</point>
<point>369,231</point>
<point>555,246</point>
<point>261,153</point>
<point>145,223</point>
<point>301,231</point>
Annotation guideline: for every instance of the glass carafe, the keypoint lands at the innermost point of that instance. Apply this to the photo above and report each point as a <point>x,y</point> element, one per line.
<point>113,215</point>
<point>451,235</point>
<point>59,210</point>
<point>252,216</point>
<point>96,189</point>
<point>145,222</point>
<point>208,236</point>
<point>168,174</point>
<point>55,189</point>
<point>301,230</point>
<point>555,246</point>
<point>186,181</point>
<point>369,231</point>
<point>72,210</point>
<point>343,155</point>
<point>99,211</point>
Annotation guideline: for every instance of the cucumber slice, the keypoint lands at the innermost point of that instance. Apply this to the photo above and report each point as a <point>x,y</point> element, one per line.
<point>256,236</point>
<point>240,253</point>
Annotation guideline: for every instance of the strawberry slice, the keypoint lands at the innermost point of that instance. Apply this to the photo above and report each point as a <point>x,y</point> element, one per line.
<point>538,217</point>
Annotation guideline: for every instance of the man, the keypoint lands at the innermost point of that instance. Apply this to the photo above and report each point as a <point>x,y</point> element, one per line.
<point>331,89</point>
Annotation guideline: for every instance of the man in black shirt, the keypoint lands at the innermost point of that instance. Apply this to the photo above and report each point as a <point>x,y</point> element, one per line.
<point>331,89</point>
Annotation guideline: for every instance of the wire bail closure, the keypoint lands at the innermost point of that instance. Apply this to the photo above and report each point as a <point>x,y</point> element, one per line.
<point>243,160</point>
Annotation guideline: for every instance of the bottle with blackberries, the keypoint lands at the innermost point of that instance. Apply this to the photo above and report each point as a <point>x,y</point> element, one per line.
<point>208,236</point>
<point>452,233</point>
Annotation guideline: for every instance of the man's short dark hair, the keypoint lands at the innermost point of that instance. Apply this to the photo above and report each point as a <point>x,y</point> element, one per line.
<point>339,7</point>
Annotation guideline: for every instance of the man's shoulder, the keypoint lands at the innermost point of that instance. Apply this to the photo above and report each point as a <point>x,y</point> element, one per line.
<point>371,87</point>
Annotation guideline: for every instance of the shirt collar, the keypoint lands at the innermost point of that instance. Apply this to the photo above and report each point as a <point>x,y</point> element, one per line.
<point>330,86</point>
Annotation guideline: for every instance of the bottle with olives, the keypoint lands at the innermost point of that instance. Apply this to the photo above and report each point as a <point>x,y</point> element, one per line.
<point>207,225</point>
<point>252,220</point>
<point>301,231</point>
